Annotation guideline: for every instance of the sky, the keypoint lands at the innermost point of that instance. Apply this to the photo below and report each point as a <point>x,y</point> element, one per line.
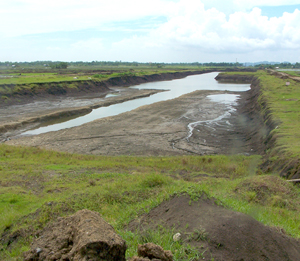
<point>150,30</point>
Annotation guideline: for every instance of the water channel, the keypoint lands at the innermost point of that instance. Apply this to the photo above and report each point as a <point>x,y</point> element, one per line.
<point>175,88</point>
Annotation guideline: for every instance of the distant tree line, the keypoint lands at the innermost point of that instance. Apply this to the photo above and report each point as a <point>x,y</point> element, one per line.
<point>284,65</point>
<point>61,65</point>
<point>64,65</point>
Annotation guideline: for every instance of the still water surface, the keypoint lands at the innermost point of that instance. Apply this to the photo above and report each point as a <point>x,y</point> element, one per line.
<point>175,89</point>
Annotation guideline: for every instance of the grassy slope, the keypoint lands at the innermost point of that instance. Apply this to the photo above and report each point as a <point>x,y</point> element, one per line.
<point>18,82</point>
<point>284,103</point>
<point>36,186</point>
<point>292,73</point>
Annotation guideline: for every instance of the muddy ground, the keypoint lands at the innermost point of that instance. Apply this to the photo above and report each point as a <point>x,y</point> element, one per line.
<point>158,129</point>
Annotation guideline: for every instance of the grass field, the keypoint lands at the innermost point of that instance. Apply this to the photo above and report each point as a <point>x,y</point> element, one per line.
<point>78,75</point>
<point>284,103</point>
<point>36,185</point>
<point>293,73</point>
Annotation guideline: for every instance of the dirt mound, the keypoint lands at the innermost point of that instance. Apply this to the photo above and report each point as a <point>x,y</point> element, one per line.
<point>217,232</point>
<point>82,236</point>
<point>150,251</point>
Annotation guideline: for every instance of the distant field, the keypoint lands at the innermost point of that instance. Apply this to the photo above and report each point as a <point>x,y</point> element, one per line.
<point>69,75</point>
<point>293,73</point>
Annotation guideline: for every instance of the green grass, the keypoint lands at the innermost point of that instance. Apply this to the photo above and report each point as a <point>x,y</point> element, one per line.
<point>284,103</point>
<point>40,78</point>
<point>19,82</point>
<point>70,75</point>
<point>38,185</point>
<point>239,73</point>
<point>292,73</point>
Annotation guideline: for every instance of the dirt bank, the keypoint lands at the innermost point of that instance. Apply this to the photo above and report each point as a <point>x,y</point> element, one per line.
<point>235,78</point>
<point>218,233</point>
<point>253,114</point>
<point>16,119</point>
<point>13,94</point>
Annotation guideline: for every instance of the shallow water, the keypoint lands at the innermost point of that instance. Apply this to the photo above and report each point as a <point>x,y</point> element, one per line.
<point>175,89</point>
<point>228,99</point>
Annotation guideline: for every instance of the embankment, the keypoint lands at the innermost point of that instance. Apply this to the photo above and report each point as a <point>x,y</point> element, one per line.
<point>235,78</point>
<point>257,115</point>
<point>24,93</point>
<point>70,112</point>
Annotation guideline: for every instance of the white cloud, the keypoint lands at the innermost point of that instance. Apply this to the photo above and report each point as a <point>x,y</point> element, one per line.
<point>210,31</point>
<point>192,28</point>
<point>231,6</point>
<point>34,16</point>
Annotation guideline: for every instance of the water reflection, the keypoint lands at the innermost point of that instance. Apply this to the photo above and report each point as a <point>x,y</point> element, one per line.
<point>224,98</point>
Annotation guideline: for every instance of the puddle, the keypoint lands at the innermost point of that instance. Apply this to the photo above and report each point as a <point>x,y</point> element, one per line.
<point>224,98</point>
<point>229,100</point>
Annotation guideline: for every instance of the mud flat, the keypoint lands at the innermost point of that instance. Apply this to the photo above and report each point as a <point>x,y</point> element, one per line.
<point>16,119</point>
<point>158,129</point>
<point>28,107</point>
<point>192,124</point>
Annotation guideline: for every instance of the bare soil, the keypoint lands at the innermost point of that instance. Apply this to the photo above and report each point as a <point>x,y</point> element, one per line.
<point>82,236</point>
<point>218,232</point>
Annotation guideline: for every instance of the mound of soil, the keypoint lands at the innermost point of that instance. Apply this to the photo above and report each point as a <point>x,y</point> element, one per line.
<point>82,236</point>
<point>150,251</point>
<point>218,232</point>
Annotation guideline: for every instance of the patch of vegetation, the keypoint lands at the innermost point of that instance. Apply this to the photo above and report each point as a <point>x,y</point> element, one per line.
<point>283,103</point>
<point>164,238</point>
<point>37,186</point>
<point>292,73</point>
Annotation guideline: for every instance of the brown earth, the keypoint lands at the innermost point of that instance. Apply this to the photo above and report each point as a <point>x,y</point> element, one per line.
<point>82,236</point>
<point>218,232</point>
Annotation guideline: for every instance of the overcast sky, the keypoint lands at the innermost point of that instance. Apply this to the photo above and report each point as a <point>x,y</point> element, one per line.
<point>150,30</point>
